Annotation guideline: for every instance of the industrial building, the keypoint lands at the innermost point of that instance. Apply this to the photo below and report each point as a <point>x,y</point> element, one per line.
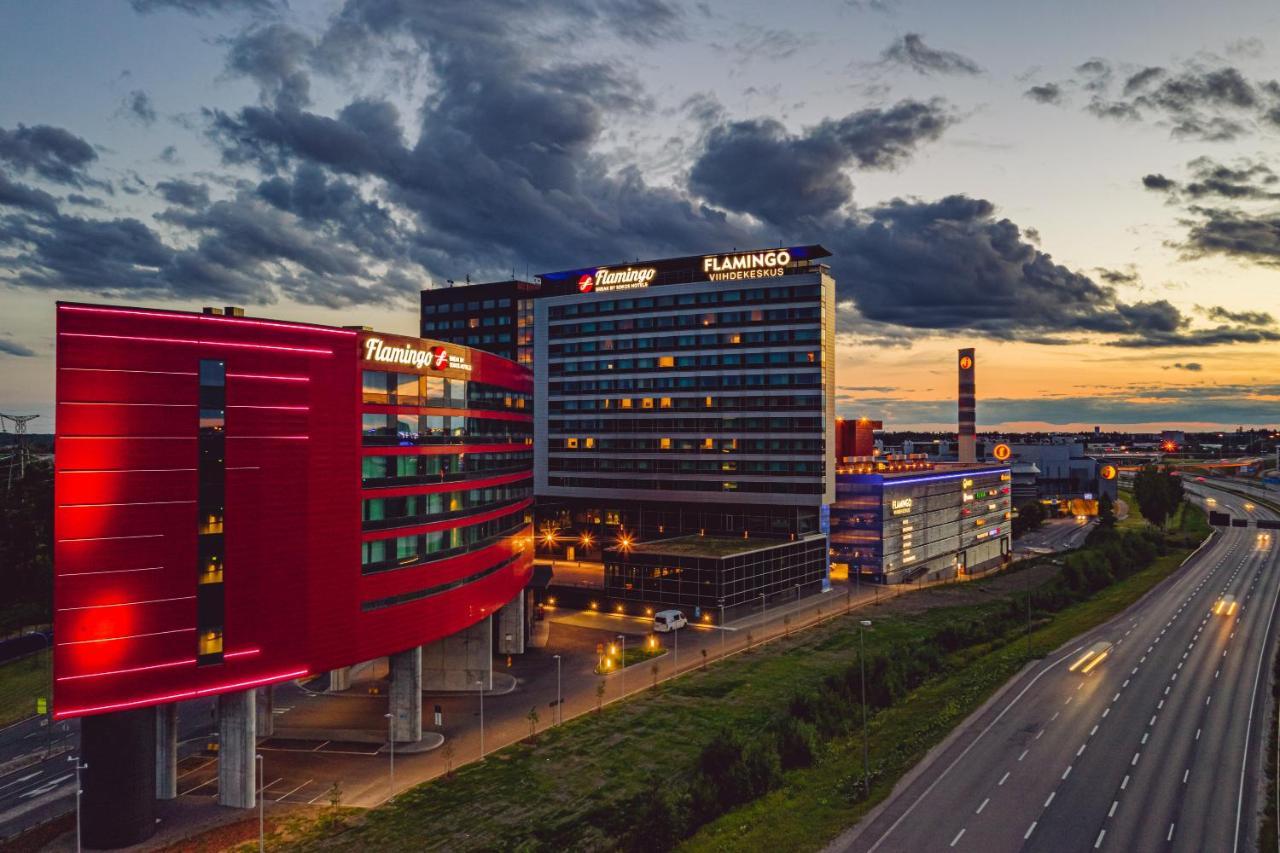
<point>242,502</point>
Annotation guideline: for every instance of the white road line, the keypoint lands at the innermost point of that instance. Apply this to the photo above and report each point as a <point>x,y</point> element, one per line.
<point>1065,773</point>
<point>1098,843</point>
<point>1145,735</point>
<point>1024,754</point>
<point>1055,716</point>
<point>1197,734</point>
<point>1080,751</point>
<point>1003,778</point>
<point>1114,805</point>
<point>979,809</point>
<point>1052,794</point>
<point>1093,731</point>
<point>294,791</point>
<point>22,779</point>
<point>1136,755</point>
<point>957,838</point>
<point>1030,829</point>
<point>1185,774</point>
<point>1169,837</point>
<point>1152,721</point>
<point>1124,783</point>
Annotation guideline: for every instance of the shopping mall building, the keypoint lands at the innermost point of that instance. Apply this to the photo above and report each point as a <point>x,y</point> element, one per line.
<point>242,502</point>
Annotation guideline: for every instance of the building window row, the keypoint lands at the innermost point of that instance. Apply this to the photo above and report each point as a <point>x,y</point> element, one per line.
<point>383,513</point>
<point>465,323</point>
<point>726,342</point>
<point>688,444</point>
<point>411,389</point>
<point>686,466</point>
<point>481,395</point>
<point>781,293</point>
<point>211,511</point>
<point>732,486</point>
<point>744,403</point>
<point>473,305</point>
<point>723,360</point>
<point>689,320</point>
<point>409,429</point>
<point>698,426</point>
<point>437,589</point>
<point>402,552</point>
<point>408,470</point>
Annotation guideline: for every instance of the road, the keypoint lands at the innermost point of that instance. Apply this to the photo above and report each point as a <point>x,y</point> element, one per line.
<point>1056,534</point>
<point>1158,748</point>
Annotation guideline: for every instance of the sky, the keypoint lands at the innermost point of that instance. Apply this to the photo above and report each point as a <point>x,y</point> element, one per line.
<point>1088,193</point>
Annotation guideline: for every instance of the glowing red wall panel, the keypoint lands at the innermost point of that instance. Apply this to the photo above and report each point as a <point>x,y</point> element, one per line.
<point>125,517</point>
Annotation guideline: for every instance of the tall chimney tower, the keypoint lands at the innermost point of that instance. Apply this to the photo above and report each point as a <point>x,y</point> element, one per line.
<point>967,431</point>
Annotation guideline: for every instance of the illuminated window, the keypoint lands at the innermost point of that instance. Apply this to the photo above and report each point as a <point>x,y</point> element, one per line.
<point>625,403</point>
<point>473,323</point>
<point>664,443</point>
<point>210,523</point>
<point>589,443</point>
<point>210,642</point>
<point>571,443</point>
<point>212,571</point>
<point>665,403</point>
<point>666,361</point>
<point>708,443</point>
<point>735,339</point>
<point>708,401</point>
<point>646,403</point>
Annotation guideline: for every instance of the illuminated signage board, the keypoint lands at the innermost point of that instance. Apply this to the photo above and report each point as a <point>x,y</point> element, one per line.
<point>1107,472</point>
<point>435,358</point>
<point>609,279</point>
<point>966,362</point>
<point>901,506</point>
<point>1002,452</point>
<point>966,483</point>
<point>746,265</point>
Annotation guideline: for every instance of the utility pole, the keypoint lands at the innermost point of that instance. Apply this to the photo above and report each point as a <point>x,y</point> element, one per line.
<point>21,454</point>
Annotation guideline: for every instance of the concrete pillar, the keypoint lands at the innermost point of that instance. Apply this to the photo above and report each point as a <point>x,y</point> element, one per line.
<point>117,750</point>
<point>167,751</point>
<point>339,679</point>
<point>406,695</point>
<point>511,627</point>
<point>237,746</point>
<point>266,705</point>
<point>457,662</point>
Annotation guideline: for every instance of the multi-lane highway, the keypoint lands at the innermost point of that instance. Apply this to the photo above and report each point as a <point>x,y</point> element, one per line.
<point>1158,747</point>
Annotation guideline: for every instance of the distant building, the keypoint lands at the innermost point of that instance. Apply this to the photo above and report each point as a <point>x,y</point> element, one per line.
<point>1065,472</point>
<point>856,437</point>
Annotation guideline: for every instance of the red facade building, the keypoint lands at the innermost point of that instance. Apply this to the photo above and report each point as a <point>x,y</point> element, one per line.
<point>241,501</point>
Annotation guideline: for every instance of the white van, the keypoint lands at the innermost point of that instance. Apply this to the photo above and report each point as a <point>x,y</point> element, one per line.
<point>668,620</point>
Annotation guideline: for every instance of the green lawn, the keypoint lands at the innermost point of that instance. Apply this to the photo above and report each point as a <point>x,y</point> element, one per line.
<point>21,681</point>
<point>1133,520</point>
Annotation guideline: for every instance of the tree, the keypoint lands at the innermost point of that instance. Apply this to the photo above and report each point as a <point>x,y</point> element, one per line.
<point>1158,493</point>
<point>1106,511</point>
<point>532,717</point>
<point>599,695</point>
<point>1030,517</point>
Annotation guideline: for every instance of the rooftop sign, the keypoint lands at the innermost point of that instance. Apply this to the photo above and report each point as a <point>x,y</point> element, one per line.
<point>435,357</point>
<point>728,266</point>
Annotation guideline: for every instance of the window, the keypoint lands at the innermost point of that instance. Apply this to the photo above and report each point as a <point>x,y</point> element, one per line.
<point>664,443</point>
<point>665,403</point>
<point>571,443</point>
<point>646,403</point>
<point>667,361</point>
<point>211,643</point>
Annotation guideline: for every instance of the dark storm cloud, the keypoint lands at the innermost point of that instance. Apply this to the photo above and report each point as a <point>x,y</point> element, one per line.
<point>85,201</point>
<point>1200,338</point>
<point>209,7</point>
<point>53,153</point>
<point>1137,81</point>
<point>1117,276</point>
<point>1246,318</point>
<point>1158,182</point>
<point>14,194</point>
<point>137,106</point>
<point>11,347</point>
<point>184,193</point>
<point>275,57</point>
<point>744,163</point>
<point>1233,233</point>
<point>1048,93</point>
<point>911,51</point>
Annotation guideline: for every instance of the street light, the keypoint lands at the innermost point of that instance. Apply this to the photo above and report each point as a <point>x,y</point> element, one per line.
<point>675,638</point>
<point>559,695</point>
<point>862,665</point>
<point>622,664</point>
<point>79,791</point>
<point>391,741</point>
<point>262,843</point>
<point>764,608</point>
<point>480,685</point>
<point>722,630</point>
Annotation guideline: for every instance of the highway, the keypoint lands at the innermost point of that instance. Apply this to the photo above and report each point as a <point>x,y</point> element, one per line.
<point>1157,748</point>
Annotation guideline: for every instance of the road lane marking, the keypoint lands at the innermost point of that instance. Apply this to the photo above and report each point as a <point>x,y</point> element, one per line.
<point>1136,755</point>
<point>1065,773</point>
<point>1185,774</point>
<point>957,838</point>
<point>1080,751</point>
<point>294,791</point>
<point>1169,837</point>
<point>1114,805</point>
<point>1030,829</point>
<point>1050,799</point>
<point>1024,754</point>
<point>983,806</point>
<point>1093,731</point>
<point>1145,735</point>
<point>1098,843</point>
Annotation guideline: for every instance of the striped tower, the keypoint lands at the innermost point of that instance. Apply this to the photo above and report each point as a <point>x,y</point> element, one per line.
<point>967,365</point>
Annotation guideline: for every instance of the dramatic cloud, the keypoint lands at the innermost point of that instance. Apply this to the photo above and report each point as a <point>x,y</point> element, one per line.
<point>1048,93</point>
<point>1193,366</point>
<point>209,7</point>
<point>911,51</point>
<point>746,165</point>
<point>52,153</point>
<point>1158,182</point>
<point>1247,180</point>
<point>14,194</point>
<point>1246,318</point>
<point>184,193</point>
<point>1117,276</point>
<point>275,57</point>
<point>1234,233</point>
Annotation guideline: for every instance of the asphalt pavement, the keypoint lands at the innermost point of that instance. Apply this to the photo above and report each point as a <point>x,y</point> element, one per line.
<point>1157,748</point>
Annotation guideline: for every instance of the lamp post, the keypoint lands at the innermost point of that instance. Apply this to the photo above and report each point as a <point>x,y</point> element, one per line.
<point>262,842</point>
<point>764,607</point>
<point>480,685</point>
<point>391,742</point>
<point>559,695</point>
<point>862,666</point>
<point>79,791</point>
<point>675,639</point>
<point>622,663</point>
<point>722,628</point>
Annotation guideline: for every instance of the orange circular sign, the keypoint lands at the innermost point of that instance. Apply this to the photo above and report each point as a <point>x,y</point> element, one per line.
<point>965,362</point>
<point>1002,452</point>
<point>1107,472</point>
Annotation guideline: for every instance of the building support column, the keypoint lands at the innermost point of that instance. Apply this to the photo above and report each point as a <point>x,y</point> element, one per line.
<point>266,711</point>
<point>237,747</point>
<point>511,626</point>
<point>167,751</point>
<point>339,679</point>
<point>406,695</point>
<point>458,661</point>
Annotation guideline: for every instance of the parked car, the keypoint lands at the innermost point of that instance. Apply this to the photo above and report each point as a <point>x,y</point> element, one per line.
<point>668,620</point>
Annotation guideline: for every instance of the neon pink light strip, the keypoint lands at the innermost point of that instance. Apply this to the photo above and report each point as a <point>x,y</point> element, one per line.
<point>129,437</point>
<point>110,538</point>
<point>127,603</point>
<point>245,468</point>
<point>115,403</point>
<point>109,572</point>
<point>132,503</point>
<point>208,318</point>
<point>127,637</point>
<point>276,408</point>
<point>122,470</point>
<point>289,437</point>
<point>237,344</point>
<point>185,694</point>
<point>264,377</point>
<point>166,665</point>
<point>126,370</point>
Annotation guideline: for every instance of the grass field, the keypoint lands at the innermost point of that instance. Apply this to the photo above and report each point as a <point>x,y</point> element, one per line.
<point>577,787</point>
<point>21,681</point>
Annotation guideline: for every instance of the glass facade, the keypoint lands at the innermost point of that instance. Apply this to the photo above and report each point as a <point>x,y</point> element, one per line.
<point>211,511</point>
